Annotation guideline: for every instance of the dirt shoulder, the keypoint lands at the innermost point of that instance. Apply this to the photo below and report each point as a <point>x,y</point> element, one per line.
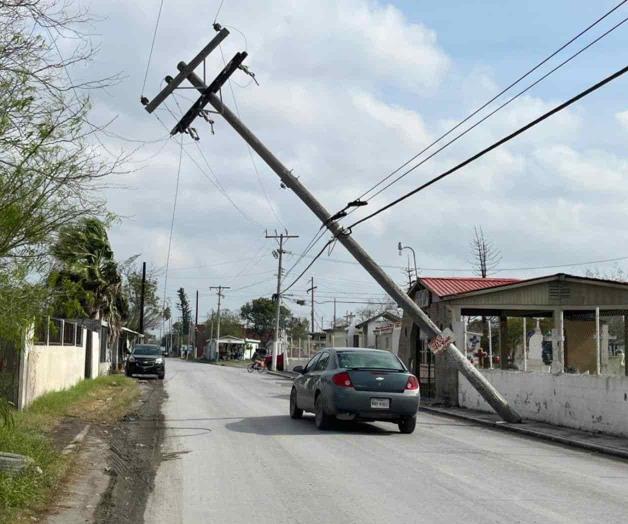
<point>134,456</point>
<point>45,431</point>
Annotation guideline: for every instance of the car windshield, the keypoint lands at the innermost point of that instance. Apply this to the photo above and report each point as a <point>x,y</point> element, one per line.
<point>369,360</point>
<point>147,350</point>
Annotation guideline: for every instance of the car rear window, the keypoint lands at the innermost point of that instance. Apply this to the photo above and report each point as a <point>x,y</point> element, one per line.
<point>369,360</point>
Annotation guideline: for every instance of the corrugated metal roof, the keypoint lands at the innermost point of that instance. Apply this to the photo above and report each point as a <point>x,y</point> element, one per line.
<point>455,285</point>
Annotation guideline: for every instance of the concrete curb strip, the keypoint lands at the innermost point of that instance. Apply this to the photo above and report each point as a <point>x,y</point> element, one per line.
<point>76,441</point>
<point>522,430</point>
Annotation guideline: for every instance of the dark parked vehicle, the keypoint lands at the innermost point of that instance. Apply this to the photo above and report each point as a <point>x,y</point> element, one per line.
<point>356,384</point>
<point>146,359</point>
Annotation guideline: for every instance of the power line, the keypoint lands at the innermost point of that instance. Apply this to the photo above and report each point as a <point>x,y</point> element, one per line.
<point>499,108</point>
<point>521,130</point>
<point>308,266</point>
<point>258,176</point>
<point>503,91</point>
<point>307,249</point>
<point>174,209</point>
<point>218,10</point>
<point>152,46</point>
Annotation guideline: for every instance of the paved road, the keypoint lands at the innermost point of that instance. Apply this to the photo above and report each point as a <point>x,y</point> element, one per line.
<point>234,456</point>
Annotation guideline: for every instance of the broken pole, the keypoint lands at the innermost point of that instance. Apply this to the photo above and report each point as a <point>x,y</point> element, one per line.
<point>477,380</point>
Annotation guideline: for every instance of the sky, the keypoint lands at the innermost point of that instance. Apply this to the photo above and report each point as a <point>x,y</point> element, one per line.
<point>350,90</point>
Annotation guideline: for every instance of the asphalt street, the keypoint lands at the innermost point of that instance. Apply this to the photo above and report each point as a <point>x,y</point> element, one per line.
<point>233,455</point>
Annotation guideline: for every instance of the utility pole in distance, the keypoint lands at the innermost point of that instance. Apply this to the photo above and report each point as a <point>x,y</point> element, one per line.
<point>142,291</point>
<point>439,343</point>
<point>220,296</point>
<point>279,255</point>
<point>311,290</point>
<point>195,324</point>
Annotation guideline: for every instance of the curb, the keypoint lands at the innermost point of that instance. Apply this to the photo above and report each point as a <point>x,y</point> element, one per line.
<point>76,441</point>
<point>522,430</point>
<point>281,374</point>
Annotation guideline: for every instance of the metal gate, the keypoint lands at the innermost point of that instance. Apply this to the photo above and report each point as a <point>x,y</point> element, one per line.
<point>9,371</point>
<point>424,368</point>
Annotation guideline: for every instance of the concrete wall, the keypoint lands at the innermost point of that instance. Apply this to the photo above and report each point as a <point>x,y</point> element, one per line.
<point>588,402</point>
<point>51,368</point>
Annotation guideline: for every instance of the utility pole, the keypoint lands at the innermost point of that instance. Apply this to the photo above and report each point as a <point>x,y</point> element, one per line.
<point>438,341</point>
<point>195,325</point>
<point>279,254</point>
<point>220,296</point>
<point>142,291</point>
<point>334,325</point>
<point>311,290</point>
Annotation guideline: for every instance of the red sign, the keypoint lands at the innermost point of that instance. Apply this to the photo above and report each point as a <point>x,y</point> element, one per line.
<point>439,343</point>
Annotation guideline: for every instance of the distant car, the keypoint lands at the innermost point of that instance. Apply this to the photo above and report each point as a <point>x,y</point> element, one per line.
<point>356,384</point>
<point>146,359</point>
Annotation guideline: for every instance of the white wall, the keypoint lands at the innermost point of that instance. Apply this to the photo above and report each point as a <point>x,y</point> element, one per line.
<point>52,368</point>
<point>588,402</point>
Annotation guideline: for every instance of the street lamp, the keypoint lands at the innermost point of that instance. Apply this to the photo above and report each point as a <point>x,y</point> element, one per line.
<point>401,247</point>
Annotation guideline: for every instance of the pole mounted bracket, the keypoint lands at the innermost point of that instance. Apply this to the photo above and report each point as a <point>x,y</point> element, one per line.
<point>212,89</point>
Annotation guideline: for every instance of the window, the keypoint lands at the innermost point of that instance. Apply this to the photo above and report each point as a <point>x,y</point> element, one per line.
<point>147,349</point>
<point>369,360</point>
<point>356,341</point>
<point>312,363</point>
<point>321,365</point>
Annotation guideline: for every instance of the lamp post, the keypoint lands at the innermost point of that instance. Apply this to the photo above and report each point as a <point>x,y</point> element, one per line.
<point>401,247</point>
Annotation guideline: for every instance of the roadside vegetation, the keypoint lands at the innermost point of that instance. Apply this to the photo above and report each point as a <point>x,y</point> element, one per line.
<point>102,400</point>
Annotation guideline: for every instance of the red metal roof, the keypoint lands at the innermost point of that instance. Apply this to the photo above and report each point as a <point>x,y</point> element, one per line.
<point>455,285</point>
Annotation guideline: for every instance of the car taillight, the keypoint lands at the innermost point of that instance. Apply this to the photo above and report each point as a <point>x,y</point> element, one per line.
<point>413,383</point>
<point>342,379</point>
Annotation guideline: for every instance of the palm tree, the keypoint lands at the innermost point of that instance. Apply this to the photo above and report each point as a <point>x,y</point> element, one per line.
<point>86,275</point>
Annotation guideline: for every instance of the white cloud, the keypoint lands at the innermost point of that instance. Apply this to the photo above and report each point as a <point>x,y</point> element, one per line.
<point>622,118</point>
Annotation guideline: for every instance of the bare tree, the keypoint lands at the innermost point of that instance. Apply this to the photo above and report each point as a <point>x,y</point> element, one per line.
<point>486,257</point>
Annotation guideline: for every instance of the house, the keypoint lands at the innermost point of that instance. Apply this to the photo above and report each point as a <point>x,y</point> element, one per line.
<point>381,331</point>
<point>336,336</point>
<point>233,348</point>
<point>568,373</point>
<point>59,353</point>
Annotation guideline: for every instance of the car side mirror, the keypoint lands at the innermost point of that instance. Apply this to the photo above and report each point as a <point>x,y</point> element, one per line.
<point>298,369</point>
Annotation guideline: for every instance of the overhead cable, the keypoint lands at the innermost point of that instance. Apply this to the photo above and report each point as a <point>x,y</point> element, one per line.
<point>486,104</point>
<point>500,142</point>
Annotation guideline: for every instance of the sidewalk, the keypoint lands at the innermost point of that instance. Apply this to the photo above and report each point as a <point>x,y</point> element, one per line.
<point>600,443</point>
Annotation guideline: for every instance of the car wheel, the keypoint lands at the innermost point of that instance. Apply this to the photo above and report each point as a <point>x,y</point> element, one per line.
<point>321,419</point>
<point>407,425</point>
<point>162,376</point>
<point>295,412</point>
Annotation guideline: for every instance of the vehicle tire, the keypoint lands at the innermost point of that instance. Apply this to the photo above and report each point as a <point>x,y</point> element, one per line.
<point>321,419</point>
<point>250,368</point>
<point>407,425</point>
<point>162,376</point>
<point>295,411</point>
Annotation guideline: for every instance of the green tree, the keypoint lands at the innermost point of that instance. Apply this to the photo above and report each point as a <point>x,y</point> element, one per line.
<point>230,324</point>
<point>260,314</point>
<point>298,327</point>
<point>186,311</point>
<point>85,275</point>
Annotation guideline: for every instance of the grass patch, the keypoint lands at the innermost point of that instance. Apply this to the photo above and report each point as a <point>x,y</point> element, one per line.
<point>104,399</point>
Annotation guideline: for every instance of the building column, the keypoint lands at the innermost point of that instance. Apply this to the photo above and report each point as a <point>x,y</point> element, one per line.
<point>503,338</point>
<point>625,345</point>
<point>558,342</point>
<point>598,345</point>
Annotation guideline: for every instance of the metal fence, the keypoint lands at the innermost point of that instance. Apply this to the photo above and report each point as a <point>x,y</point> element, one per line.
<point>58,332</point>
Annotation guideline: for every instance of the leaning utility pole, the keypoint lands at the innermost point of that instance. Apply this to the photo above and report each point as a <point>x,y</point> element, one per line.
<point>280,237</point>
<point>438,342</point>
<point>220,296</point>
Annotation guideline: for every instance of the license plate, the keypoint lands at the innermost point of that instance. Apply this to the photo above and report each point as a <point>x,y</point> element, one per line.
<point>380,403</point>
